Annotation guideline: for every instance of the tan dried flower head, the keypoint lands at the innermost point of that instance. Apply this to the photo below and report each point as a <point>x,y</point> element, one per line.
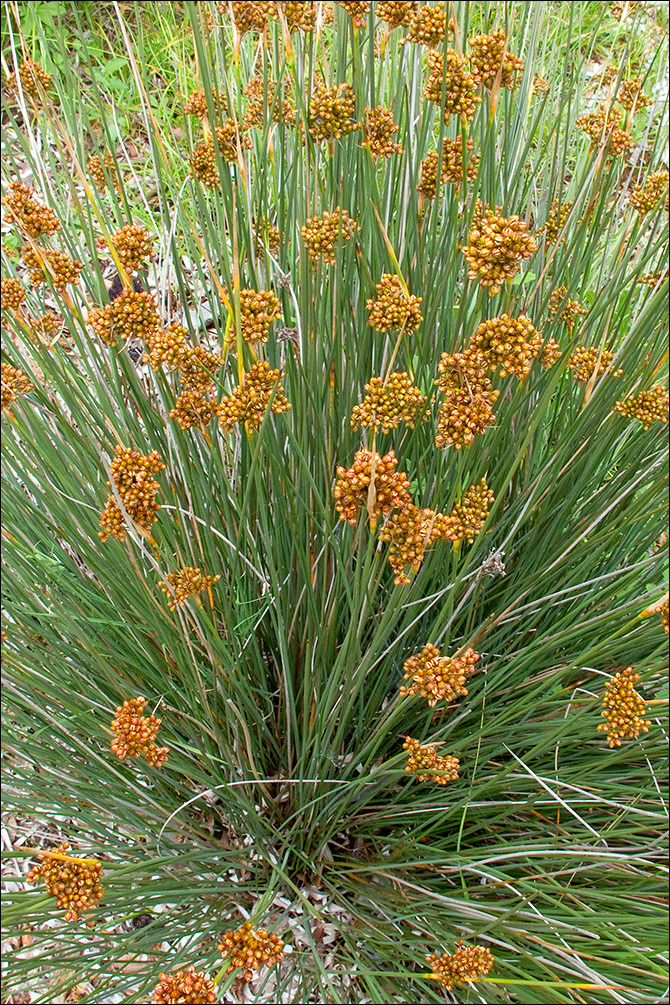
<point>14,384</point>
<point>397,12</point>
<point>135,733</point>
<point>379,130</point>
<point>259,90</point>
<point>467,371</point>
<point>131,315</point>
<point>50,264</point>
<point>570,312</point>
<point>33,77</point>
<point>74,882</point>
<point>388,404</point>
<point>351,491</point>
<point>510,344</point>
<point>204,166</point>
<point>428,26</point>
<point>438,678</point>
<point>646,197</point>
<point>166,346</point>
<point>665,616</point>
<point>489,59</point>
<point>193,407</point>
<point>452,167</point>
<point>603,129</point>
<point>585,361</point>
<point>410,531</point>
<point>46,328</point>
<point>250,949</point>
<point>184,986</point>
<point>467,963</point>
<point>133,246</point>
<point>179,586</point>
<point>248,15</point>
<point>463,416</point>
<point>257,312</point>
<point>322,234</point>
<point>196,366</point>
<point>101,167</point>
<point>13,293</point>
<point>557,217</point>
<point>30,218</point>
<point>393,307</point>
<point>631,97</point>
<point>249,401</point>
<point>460,86</point>
<point>496,247</point>
<point>300,16</point>
<point>653,278</point>
<point>266,237</point>
<point>332,112</point>
<point>551,353</point>
<point>196,103</point>
<point>623,709</point>
<point>468,516</point>
<point>131,474</point>
<point>540,85</point>
<point>357,11</point>
<point>647,406</point>
<point>428,764</point>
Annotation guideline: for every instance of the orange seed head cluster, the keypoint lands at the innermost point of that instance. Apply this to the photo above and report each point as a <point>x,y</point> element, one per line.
<point>460,86</point>
<point>508,344</point>
<point>32,219</point>
<point>467,963</point>
<point>250,949</point>
<point>646,197</point>
<point>257,312</point>
<point>410,531</point>
<point>322,234</point>
<point>647,406</point>
<point>427,763</point>
<point>397,12</point>
<point>570,312</point>
<point>135,733</point>
<point>49,263</point>
<point>131,474</point>
<point>379,130</point>
<point>428,26</point>
<point>623,709</point>
<point>74,882</point>
<point>356,9</point>
<point>438,678</point>
<point>249,401</point>
<point>131,315</point>
<point>133,247</point>
<point>187,986</point>
<point>585,361</point>
<point>557,217</point>
<point>388,404</point>
<point>393,307</point>
<point>489,60</point>
<point>33,77</point>
<point>496,247</point>
<point>12,293</point>
<point>14,384</point>
<point>332,112</point>
<point>179,586</point>
<point>351,492</point>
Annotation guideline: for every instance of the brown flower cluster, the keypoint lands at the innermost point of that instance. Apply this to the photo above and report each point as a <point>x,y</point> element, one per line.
<point>438,678</point>
<point>250,949</point>
<point>466,411</point>
<point>467,963</point>
<point>410,531</point>
<point>133,247</point>
<point>184,986</point>
<point>379,130</point>
<point>570,312</point>
<point>131,474</point>
<point>196,366</point>
<point>33,77</point>
<point>248,15</point>
<point>496,247</point>
<point>167,346</point>
<point>428,26</point>
<point>52,264</point>
<point>647,406</point>
<point>388,404</point>
<point>510,344</point>
<point>557,217</point>
<point>193,407</point>
<point>356,9</point>
<point>452,167</point>
<point>179,586</point>
<point>665,616</point>
<point>646,197</point>
<point>428,764</point>
<point>321,234</point>
<point>97,165</point>
<point>135,733</point>
<point>623,709</point>
<point>256,90</point>
<point>131,315</point>
<point>460,86</point>
<point>603,129</point>
<point>14,384</point>
<point>653,278</point>
<point>32,219</point>
<point>397,12</point>
<point>257,312</point>
<point>551,353</point>
<point>266,237</point>
<point>489,59</point>
<point>540,85</point>
<point>585,361</point>
<point>12,293</point>
<point>204,164</point>
<point>468,516</point>
<point>394,307</point>
<point>196,103</point>
<point>352,487</point>
<point>300,16</point>
<point>631,97</point>
<point>46,328</point>
<point>249,401</point>
<point>332,111</point>
<point>74,882</point>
